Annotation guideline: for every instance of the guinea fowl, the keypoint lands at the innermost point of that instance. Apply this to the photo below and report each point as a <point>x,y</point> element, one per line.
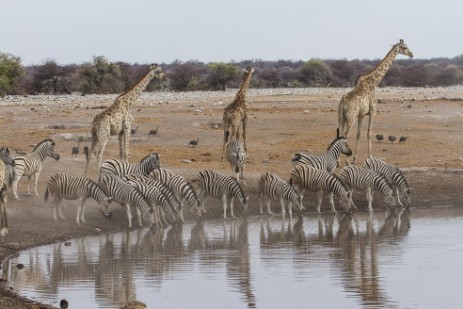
<point>392,138</point>
<point>194,143</point>
<point>403,139</point>
<point>379,137</point>
<point>134,131</point>
<point>154,131</point>
<point>75,149</point>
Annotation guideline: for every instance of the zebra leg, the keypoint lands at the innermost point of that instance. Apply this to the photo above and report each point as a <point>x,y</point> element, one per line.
<point>129,214</point>
<point>81,212</point>
<point>242,176</point>
<point>224,202</point>
<point>282,204</point>
<point>370,199</point>
<point>232,199</point>
<point>261,208</point>
<point>319,200</point>
<point>399,203</point>
<point>140,223</point>
<point>201,196</point>
<point>57,208</point>
<point>333,209</point>
<point>36,181</point>
<point>29,180</point>
<point>269,210</point>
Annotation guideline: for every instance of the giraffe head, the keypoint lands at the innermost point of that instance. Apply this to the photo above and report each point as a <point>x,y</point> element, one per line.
<point>158,72</point>
<point>403,49</point>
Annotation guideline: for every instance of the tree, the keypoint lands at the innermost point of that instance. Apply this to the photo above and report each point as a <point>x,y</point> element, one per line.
<point>101,76</point>
<point>185,76</point>
<point>11,72</point>
<point>316,73</point>
<point>220,74</point>
<point>51,77</point>
<point>270,77</point>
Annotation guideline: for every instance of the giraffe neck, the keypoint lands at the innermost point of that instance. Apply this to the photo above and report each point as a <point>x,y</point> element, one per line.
<point>375,76</point>
<point>131,95</point>
<point>241,95</point>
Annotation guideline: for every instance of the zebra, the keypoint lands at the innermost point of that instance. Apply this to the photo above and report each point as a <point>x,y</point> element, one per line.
<point>127,196</point>
<point>274,188</point>
<point>395,176</point>
<point>182,188</point>
<point>355,177</point>
<point>220,186</point>
<point>31,164</point>
<point>122,168</point>
<point>305,177</point>
<point>237,158</point>
<point>157,194</point>
<point>327,160</point>
<point>64,186</point>
<point>5,161</point>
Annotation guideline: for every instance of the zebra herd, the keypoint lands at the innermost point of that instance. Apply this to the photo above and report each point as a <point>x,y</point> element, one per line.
<point>158,195</point>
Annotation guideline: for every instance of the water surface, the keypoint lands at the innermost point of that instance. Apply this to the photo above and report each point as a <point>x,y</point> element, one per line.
<point>379,260</point>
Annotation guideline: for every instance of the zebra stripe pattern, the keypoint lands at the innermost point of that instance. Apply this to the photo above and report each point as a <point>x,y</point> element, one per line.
<point>395,177</point>
<point>5,158</point>
<point>273,187</point>
<point>164,203</point>
<point>64,186</point>
<point>236,156</point>
<point>220,186</point>
<point>305,177</point>
<point>327,160</point>
<point>355,177</point>
<point>127,196</point>
<point>122,168</point>
<point>182,188</point>
<point>31,164</point>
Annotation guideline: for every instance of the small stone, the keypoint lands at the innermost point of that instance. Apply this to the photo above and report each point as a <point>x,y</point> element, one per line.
<point>306,111</point>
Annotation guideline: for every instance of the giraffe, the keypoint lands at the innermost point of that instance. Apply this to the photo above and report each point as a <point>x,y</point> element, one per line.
<point>117,119</point>
<point>235,113</point>
<point>361,101</point>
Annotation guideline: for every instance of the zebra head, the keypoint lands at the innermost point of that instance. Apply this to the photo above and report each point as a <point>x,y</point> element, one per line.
<point>47,146</point>
<point>298,203</point>
<point>346,201</point>
<point>152,162</point>
<point>5,156</point>
<point>405,197</point>
<point>244,204</point>
<point>390,200</point>
<point>104,207</point>
<point>340,144</point>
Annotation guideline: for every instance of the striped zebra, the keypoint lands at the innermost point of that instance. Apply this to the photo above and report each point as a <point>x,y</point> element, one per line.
<point>31,164</point>
<point>162,199</point>
<point>64,186</point>
<point>4,226</point>
<point>274,188</point>
<point>395,176</point>
<point>5,159</point>
<point>182,188</point>
<point>122,168</point>
<point>128,196</point>
<point>355,177</point>
<point>305,177</point>
<point>236,156</point>
<point>220,186</point>
<point>327,160</point>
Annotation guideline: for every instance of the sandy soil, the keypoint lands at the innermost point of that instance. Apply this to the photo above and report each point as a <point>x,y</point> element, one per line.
<point>281,122</point>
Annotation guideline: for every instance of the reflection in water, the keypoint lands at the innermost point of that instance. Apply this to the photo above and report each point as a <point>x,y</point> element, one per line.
<point>116,267</point>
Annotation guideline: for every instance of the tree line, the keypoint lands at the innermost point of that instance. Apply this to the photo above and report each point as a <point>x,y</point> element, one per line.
<point>102,76</point>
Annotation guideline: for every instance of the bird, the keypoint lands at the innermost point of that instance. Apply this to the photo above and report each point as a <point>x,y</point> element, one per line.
<point>194,142</point>
<point>75,149</point>
<point>134,131</point>
<point>403,139</point>
<point>379,137</point>
<point>392,138</point>
<point>154,131</point>
<point>63,304</point>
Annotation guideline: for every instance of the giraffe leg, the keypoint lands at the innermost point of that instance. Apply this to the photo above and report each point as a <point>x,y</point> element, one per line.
<point>359,128</point>
<point>124,147</point>
<point>370,125</point>
<point>226,138</point>
<point>245,124</point>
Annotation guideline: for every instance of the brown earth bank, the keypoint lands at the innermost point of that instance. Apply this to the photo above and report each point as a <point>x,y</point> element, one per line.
<point>281,122</point>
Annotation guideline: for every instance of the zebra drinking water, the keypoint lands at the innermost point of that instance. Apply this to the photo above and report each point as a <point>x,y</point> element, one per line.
<point>31,164</point>
<point>236,156</point>
<point>274,188</point>
<point>161,198</point>
<point>220,186</point>
<point>395,176</point>
<point>355,177</point>
<point>182,188</point>
<point>128,196</point>
<point>306,177</point>
<point>327,160</point>
<point>122,168</point>
<point>64,186</point>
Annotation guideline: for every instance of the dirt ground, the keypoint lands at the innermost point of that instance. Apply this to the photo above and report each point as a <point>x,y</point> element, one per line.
<point>281,122</point>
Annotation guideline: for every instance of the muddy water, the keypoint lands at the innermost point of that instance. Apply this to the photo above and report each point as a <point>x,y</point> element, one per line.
<point>410,260</point>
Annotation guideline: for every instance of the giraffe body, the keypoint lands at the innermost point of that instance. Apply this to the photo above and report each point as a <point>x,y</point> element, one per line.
<point>361,100</point>
<point>236,113</point>
<point>117,119</point>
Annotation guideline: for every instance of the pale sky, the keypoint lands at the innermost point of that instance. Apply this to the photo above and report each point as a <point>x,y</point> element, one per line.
<point>149,31</point>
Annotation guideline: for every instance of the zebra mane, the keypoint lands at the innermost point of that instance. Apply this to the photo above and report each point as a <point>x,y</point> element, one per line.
<point>42,142</point>
<point>334,141</point>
